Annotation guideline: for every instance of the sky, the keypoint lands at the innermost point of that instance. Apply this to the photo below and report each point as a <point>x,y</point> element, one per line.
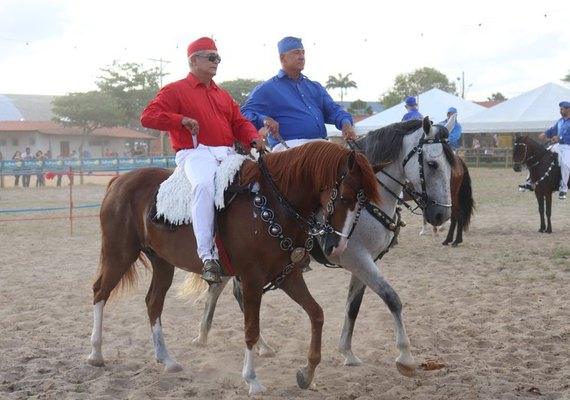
<point>55,47</point>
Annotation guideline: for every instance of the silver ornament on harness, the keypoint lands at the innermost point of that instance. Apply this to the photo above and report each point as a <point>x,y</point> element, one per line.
<point>297,254</point>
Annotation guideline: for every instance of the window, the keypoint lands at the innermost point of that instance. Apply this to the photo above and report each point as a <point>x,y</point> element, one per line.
<point>95,142</point>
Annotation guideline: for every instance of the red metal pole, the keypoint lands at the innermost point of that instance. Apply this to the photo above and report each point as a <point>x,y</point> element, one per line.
<point>70,202</point>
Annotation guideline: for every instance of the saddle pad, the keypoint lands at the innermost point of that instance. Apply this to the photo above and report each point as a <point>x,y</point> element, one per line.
<point>174,197</point>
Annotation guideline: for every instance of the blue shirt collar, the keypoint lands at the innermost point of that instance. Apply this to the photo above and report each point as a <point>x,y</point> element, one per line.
<point>281,74</point>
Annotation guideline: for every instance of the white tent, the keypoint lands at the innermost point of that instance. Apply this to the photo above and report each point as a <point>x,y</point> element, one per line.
<point>532,111</point>
<point>433,103</point>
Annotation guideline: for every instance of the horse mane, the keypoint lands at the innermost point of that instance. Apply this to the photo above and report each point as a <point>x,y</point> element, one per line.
<point>384,145</point>
<point>317,162</point>
<point>536,145</point>
<point>537,148</point>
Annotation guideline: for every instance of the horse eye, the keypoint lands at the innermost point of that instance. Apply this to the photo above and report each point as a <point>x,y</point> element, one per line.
<point>432,164</point>
<point>343,200</point>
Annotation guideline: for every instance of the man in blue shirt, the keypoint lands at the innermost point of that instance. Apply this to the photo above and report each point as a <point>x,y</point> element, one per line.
<point>293,108</point>
<point>412,109</point>
<point>560,133</point>
<point>455,133</point>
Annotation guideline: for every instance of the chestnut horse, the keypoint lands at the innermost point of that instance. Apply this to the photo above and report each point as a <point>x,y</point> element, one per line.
<point>544,173</point>
<point>265,231</point>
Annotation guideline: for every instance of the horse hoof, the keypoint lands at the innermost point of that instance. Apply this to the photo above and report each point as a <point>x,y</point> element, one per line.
<point>266,352</point>
<point>198,341</point>
<point>445,243</point>
<point>304,379</point>
<point>255,388</point>
<point>352,361</point>
<point>174,367</point>
<point>406,370</point>
<point>96,362</point>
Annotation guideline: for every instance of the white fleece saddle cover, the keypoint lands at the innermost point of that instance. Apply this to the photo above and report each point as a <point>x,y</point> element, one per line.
<point>174,198</point>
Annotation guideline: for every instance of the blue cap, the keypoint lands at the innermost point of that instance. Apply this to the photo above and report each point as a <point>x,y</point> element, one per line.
<point>411,101</point>
<point>452,110</point>
<point>289,43</point>
<point>565,104</point>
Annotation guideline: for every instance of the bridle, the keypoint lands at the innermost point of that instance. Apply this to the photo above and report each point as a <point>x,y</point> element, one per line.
<point>311,226</point>
<point>421,199</point>
<point>526,160</point>
<point>537,159</point>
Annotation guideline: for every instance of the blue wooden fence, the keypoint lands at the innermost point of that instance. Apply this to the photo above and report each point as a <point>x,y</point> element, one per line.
<point>87,165</point>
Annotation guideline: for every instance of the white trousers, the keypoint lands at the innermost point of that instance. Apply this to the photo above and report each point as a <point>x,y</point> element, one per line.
<point>200,166</point>
<point>564,161</point>
<point>292,143</point>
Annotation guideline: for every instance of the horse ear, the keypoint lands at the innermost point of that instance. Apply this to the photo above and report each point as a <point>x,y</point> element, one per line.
<point>426,124</point>
<point>351,160</point>
<point>380,166</point>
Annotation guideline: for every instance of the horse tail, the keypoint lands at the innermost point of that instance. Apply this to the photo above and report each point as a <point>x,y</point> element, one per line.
<point>193,283</point>
<point>128,280</point>
<point>465,198</point>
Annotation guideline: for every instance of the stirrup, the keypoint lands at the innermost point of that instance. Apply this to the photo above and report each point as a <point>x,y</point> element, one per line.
<point>212,271</point>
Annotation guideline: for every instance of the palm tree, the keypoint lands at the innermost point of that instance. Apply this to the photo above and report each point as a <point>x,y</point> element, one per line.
<point>342,82</point>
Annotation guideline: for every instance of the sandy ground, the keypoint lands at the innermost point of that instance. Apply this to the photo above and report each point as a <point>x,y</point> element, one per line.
<point>495,311</point>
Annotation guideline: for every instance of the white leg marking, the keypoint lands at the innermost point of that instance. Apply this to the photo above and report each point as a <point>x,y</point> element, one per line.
<point>96,356</point>
<point>160,351</point>
<point>248,373</point>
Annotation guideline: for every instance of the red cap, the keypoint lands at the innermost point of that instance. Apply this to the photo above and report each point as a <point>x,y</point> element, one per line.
<point>204,43</point>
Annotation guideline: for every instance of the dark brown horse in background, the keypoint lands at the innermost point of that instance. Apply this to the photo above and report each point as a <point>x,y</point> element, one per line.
<point>544,173</point>
<point>462,204</point>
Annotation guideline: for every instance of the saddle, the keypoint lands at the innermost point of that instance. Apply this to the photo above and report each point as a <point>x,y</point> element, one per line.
<point>172,202</point>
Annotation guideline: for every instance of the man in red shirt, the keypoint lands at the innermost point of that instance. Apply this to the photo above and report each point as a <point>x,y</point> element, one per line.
<point>202,121</point>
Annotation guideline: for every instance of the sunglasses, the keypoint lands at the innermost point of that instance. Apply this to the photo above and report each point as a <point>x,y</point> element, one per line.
<point>211,57</point>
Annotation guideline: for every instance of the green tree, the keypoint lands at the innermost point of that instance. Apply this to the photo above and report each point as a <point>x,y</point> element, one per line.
<point>497,97</point>
<point>132,86</point>
<point>416,82</point>
<point>240,89</point>
<point>566,78</point>
<point>343,83</point>
<point>359,107</point>
<point>88,111</point>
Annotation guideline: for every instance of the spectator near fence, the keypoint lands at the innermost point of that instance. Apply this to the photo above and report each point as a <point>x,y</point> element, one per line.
<point>26,177</point>
<point>40,180</point>
<point>17,156</point>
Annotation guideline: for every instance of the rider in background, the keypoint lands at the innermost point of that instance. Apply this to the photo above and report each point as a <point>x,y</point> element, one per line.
<point>412,109</point>
<point>293,108</point>
<point>455,132</point>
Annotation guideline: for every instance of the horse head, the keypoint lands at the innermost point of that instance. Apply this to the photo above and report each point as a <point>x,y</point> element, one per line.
<point>342,204</point>
<point>520,152</point>
<point>428,163</point>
